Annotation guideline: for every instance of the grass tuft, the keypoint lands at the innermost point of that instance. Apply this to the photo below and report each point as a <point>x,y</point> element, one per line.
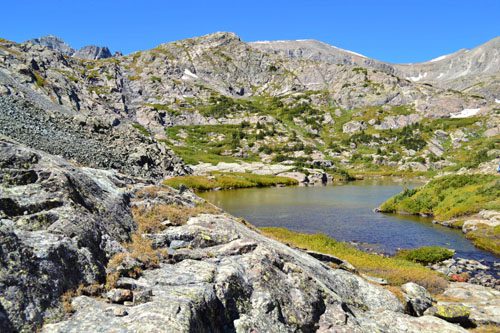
<point>149,220</point>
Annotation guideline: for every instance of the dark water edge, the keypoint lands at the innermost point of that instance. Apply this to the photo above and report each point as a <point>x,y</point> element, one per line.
<point>344,212</point>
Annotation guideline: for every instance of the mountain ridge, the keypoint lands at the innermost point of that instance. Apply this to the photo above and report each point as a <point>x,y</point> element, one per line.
<point>432,71</point>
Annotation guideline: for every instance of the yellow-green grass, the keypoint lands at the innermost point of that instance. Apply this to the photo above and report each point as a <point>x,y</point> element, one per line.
<point>395,270</point>
<point>390,172</point>
<point>486,238</point>
<point>229,180</point>
<point>448,197</point>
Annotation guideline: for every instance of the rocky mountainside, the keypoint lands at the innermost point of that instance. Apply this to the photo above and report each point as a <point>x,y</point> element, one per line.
<point>218,64</point>
<point>93,52</point>
<point>317,105</point>
<point>475,71</point>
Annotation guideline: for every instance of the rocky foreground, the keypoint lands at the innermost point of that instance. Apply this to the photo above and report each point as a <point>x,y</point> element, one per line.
<point>61,225</point>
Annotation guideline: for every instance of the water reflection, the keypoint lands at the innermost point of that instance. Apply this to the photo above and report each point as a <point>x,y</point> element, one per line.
<point>344,212</point>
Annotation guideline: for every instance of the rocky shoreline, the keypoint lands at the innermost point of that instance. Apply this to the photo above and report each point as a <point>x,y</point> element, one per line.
<point>456,269</point>
<point>471,271</point>
<point>216,272</point>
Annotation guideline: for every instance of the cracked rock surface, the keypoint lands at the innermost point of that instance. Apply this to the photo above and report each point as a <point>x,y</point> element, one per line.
<point>61,223</point>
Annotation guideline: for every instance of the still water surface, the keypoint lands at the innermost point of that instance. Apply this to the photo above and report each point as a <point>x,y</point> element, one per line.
<point>344,212</point>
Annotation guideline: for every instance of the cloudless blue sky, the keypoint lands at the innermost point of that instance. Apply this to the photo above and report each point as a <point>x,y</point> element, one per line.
<point>389,30</point>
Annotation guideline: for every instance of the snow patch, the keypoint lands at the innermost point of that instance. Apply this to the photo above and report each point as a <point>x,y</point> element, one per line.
<point>440,75</point>
<point>417,78</point>
<point>438,58</point>
<point>497,101</point>
<point>189,74</point>
<point>355,53</point>
<point>351,52</point>
<point>465,113</point>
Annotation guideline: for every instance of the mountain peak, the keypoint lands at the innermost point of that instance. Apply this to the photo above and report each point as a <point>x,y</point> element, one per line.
<point>90,52</point>
<point>93,52</point>
<point>54,43</point>
<point>219,38</point>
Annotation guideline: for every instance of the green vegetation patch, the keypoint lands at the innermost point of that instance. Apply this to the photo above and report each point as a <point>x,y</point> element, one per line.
<point>229,180</point>
<point>144,131</point>
<point>100,90</point>
<point>39,79</point>
<point>208,143</point>
<point>426,255</point>
<point>486,238</point>
<point>448,197</point>
<point>396,271</point>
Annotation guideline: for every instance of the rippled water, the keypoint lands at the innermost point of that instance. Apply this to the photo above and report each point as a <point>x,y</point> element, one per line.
<point>344,212</point>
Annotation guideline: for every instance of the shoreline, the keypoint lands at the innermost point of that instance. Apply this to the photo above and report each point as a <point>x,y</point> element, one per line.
<point>482,221</point>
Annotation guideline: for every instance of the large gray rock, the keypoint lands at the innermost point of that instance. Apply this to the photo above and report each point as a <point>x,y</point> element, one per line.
<point>395,323</point>
<point>417,299</point>
<point>58,226</point>
<point>353,126</point>
<point>398,121</point>
<point>481,303</point>
<point>234,279</point>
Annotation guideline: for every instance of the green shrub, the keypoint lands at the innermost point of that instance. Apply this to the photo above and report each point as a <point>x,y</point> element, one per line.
<point>279,158</point>
<point>426,255</point>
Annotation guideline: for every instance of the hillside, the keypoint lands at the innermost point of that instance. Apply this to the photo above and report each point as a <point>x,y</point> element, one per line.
<point>337,112</point>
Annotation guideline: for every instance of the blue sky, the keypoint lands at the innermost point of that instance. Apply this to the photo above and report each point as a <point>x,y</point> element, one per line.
<point>389,30</point>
